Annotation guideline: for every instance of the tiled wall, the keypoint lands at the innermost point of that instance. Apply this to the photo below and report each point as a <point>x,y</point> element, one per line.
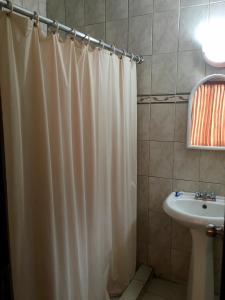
<point>164,32</point>
<point>33,5</point>
<point>165,165</point>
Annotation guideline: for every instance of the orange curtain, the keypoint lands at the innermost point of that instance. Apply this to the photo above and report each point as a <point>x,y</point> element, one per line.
<point>208,115</point>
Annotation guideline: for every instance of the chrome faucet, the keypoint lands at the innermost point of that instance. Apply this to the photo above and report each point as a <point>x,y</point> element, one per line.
<point>205,196</point>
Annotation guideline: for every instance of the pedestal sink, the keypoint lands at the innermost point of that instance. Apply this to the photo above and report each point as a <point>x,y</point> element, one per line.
<point>196,215</point>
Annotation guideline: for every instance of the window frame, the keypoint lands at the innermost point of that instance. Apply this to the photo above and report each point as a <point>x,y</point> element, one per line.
<point>213,77</point>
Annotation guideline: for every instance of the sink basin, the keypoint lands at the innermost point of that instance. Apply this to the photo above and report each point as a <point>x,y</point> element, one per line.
<point>195,213</point>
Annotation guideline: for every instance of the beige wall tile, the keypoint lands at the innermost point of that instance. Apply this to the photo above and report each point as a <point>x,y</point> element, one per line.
<point>144,76</point>
<point>140,7</point>
<point>117,33</point>
<point>142,196</point>
<point>162,122</point>
<point>143,229</point>
<point>142,253</point>
<point>74,13</point>
<point>159,190</point>
<point>181,122</point>
<point>165,32</point>
<point>140,34</point>
<point>185,185</point>
<point>212,166</point>
<point>42,8</point>
<point>187,62</point>
<point>31,4</point>
<point>193,2</point>
<point>162,5</point>
<point>164,72</point>
<point>94,11</point>
<point>143,158</point>
<point>161,159</point>
<point>143,115</point>
<point>186,163</point>
<point>116,9</point>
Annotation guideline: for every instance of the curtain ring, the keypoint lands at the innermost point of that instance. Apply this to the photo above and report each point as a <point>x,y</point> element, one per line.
<point>75,32</point>
<point>36,19</point>
<point>88,39</point>
<point>83,38</point>
<point>55,25</point>
<point>87,36</point>
<point>132,57</point>
<point>101,45</point>
<point>123,54</point>
<point>139,59</point>
<point>113,50</point>
<point>72,34</point>
<point>10,7</point>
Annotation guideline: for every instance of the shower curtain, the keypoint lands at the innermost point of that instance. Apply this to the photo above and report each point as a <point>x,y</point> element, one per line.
<point>69,114</point>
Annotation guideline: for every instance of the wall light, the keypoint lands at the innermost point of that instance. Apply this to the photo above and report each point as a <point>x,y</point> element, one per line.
<point>211,36</point>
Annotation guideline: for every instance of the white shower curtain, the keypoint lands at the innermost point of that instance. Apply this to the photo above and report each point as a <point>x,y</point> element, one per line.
<point>69,115</point>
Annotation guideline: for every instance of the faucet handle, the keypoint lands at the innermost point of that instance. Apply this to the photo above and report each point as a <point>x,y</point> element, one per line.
<point>213,196</point>
<point>197,195</point>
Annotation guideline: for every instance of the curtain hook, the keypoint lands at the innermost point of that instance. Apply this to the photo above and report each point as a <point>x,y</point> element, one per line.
<point>36,19</point>
<point>140,59</point>
<point>101,45</point>
<point>72,33</point>
<point>83,38</point>
<point>132,57</point>
<point>87,36</point>
<point>75,33</point>
<point>10,7</point>
<point>88,39</point>
<point>113,50</point>
<point>56,26</point>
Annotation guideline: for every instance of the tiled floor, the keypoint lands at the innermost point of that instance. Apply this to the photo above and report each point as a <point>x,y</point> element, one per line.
<point>159,289</point>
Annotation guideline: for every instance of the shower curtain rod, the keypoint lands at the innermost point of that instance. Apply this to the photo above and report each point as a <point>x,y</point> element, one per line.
<point>33,15</point>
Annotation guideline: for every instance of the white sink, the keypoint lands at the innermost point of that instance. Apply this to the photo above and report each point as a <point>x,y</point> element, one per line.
<point>196,215</point>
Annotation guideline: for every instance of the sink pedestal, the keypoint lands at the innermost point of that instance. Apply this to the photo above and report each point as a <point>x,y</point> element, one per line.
<point>201,275</point>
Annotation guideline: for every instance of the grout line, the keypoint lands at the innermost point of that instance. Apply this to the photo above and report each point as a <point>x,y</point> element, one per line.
<point>153,17</point>
<point>105,20</point>
<point>181,179</point>
<point>128,26</point>
<point>178,44</point>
